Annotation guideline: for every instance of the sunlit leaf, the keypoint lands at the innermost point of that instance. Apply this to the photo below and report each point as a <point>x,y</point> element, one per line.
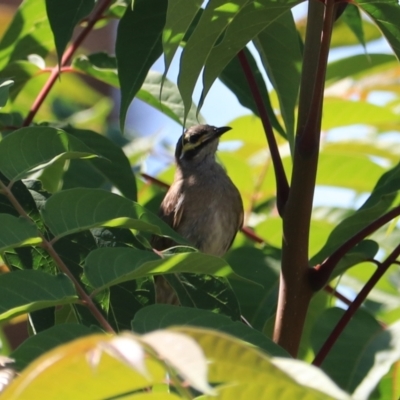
<point>109,266</point>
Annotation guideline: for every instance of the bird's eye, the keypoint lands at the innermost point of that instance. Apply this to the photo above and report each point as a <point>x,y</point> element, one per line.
<point>194,138</point>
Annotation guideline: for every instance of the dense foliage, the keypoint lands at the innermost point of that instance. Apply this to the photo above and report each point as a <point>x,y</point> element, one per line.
<point>76,214</point>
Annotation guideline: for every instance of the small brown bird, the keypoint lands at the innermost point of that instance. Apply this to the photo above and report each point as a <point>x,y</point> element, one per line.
<point>202,205</point>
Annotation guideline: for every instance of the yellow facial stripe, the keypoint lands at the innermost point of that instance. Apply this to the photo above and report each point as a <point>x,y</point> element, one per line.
<point>190,146</point>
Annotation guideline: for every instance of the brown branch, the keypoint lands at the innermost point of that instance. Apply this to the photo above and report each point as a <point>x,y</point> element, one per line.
<point>84,297</point>
<point>355,305</point>
<point>282,185</point>
<point>66,58</point>
<point>295,291</point>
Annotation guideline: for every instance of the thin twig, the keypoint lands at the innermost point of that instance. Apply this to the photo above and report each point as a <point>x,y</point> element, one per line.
<point>282,185</point>
<point>66,58</point>
<point>84,297</point>
<point>355,305</point>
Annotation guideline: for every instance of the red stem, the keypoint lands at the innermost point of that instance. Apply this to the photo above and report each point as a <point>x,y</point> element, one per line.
<point>282,185</point>
<point>64,61</point>
<point>355,305</point>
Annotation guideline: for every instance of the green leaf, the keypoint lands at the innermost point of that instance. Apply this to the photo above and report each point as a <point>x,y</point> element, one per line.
<point>109,266</point>
<point>31,149</point>
<point>28,33</point>
<point>44,341</point>
<point>356,65</point>
<point>257,303</point>
<point>21,72</point>
<point>377,204</point>
<point>245,24</point>
<point>384,358</point>
<point>17,232</point>
<point>339,112</point>
<point>162,316</point>
<point>88,372</point>
<point>180,15</point>
<point>213,22</point>
<point>278,46</point>
<point>352,18</point>
<point>114,166</point>
<point>233,77</point>
<point>80,209</point>
<point>22,292</point>
<point>4,87</point>
<point>352,356</point>
<point>138,46</point>
<point>385,14</point>
<point>104,67</point>
<point>363,251</point>
<point>243,372</point>
<point>63,17</point>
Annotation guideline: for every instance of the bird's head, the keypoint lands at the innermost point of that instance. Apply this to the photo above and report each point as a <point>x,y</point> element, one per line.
<point>198,143</point>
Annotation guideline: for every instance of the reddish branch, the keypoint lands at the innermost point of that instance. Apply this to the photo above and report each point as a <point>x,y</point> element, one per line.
<point>282,185</point>
<point>295,291</point>
<point>319,275</point>
<point>66,58</point>
<point>355,305</point>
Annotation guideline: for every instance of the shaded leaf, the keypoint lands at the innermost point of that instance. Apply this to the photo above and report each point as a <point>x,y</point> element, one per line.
<point>44,341</point>
<point>30,149</point>
<point>207,292</point>
<point>41,290</point>
<point>352,355</point>
<point>138,47</point>
<point>386,350</point>
<point>17,232</point>
<point>63,17</point>
<point>114,166</point>
<point>80,209</point>
<point>278,46</point>
<point>363,251</point>
<point>162,316</point>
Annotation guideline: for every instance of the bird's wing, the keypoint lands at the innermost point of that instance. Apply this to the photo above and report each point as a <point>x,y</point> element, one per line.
<point>171,212</point>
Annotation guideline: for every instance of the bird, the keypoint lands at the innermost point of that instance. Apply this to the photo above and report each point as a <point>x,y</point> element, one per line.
<point>203,205</point>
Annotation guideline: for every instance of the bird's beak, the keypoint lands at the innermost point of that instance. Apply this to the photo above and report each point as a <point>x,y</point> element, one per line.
<point>220,131</point>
